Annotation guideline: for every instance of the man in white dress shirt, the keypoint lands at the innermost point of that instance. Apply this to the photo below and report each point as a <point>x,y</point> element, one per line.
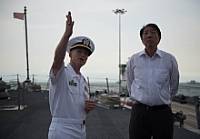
<point>68,92</point>
<point>152,80</point>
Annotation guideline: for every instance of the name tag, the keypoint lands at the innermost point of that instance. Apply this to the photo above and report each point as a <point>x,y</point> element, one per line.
<point>72,83</point>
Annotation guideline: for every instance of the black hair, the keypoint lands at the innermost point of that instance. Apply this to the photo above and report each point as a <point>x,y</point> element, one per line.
<point>153,26</point>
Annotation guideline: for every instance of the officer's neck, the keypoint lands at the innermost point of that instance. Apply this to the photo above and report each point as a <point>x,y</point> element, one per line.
<point>76,68</point>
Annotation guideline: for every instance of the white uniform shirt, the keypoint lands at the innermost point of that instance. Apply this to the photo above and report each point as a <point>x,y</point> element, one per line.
<point>67,94</point>
<point>152,80</point>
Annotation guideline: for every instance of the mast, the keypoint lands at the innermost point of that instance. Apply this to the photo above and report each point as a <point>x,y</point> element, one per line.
<point>26,37</point>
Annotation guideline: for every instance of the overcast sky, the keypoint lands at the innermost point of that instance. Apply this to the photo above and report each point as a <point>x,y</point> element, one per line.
<point>179,21</point>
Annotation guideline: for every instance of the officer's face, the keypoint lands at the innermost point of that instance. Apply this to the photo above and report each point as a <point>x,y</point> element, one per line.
<point>79,56</point>
<point>150,37</point>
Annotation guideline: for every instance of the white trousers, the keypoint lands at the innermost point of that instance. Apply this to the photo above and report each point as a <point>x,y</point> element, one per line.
<point>61,128</point>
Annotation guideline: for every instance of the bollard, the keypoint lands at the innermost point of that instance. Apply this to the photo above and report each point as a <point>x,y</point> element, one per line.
<point>179,117</point>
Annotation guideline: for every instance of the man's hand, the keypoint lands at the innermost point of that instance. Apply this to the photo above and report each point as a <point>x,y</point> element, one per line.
<point>89,105</point>
<point>61,48</point>
<point>69,25</point>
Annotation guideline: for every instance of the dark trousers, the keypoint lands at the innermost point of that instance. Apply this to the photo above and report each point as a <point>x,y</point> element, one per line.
<point>147,122</point>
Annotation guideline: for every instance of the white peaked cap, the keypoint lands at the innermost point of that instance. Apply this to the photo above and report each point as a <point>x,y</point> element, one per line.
<point>81,42</point>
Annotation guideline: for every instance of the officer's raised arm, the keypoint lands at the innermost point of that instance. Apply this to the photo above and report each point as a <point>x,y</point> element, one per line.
<point>60,51</point>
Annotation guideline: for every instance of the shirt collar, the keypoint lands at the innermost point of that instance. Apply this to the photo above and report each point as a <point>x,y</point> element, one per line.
<point>158,53</point>
<point>142,53</point>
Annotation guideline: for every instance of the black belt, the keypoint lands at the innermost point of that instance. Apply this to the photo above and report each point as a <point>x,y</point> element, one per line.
<point>156,107</point>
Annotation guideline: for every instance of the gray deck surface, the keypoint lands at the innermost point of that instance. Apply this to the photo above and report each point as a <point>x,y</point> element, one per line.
<point>33,122</point>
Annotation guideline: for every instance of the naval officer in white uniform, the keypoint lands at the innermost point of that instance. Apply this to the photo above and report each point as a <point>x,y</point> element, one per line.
<point>68,92</point>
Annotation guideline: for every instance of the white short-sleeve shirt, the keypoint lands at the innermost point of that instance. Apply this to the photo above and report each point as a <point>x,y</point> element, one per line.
<point>67,94</point>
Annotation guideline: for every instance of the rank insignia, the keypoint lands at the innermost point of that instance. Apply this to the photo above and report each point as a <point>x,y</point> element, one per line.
<point>86,42</point>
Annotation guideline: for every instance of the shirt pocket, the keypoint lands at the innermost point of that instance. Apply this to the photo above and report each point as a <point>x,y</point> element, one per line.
<point>74,94</point>
<point>74,90</point>
<point>161,76</point>
<point>140,74</point>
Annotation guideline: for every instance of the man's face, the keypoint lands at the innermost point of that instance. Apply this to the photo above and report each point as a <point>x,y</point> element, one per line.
<point>150,37</point>
<point>79,56</point>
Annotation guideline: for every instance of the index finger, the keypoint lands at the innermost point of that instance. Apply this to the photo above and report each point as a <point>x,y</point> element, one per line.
<point>69,18</point>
